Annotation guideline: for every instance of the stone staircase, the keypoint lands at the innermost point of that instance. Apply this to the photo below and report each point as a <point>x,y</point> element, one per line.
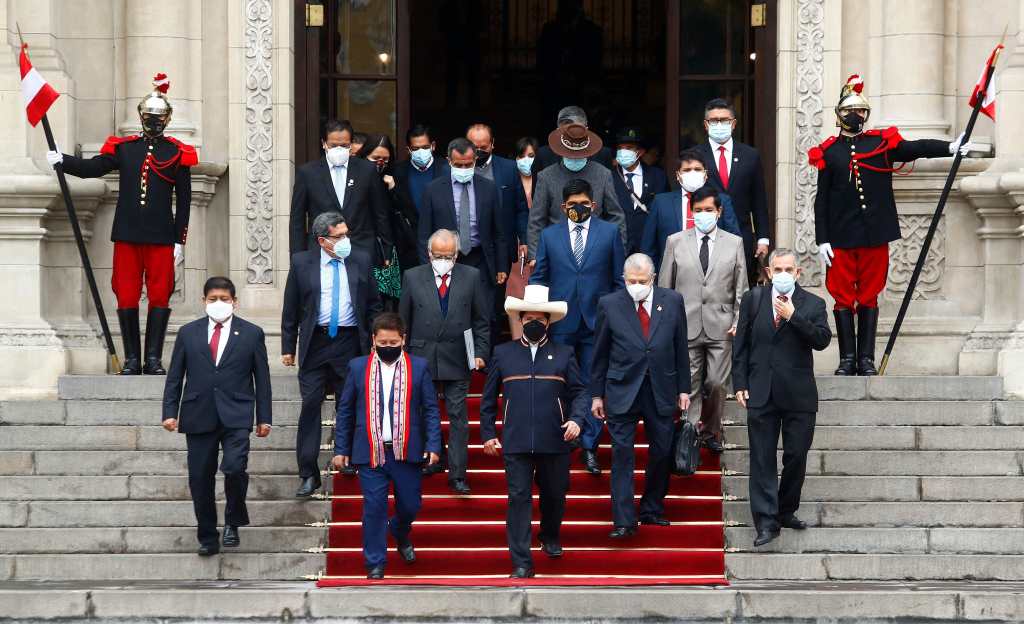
<point>910,478</point>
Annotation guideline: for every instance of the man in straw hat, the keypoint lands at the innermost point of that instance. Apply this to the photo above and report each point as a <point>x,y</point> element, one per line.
<point>544,403</point>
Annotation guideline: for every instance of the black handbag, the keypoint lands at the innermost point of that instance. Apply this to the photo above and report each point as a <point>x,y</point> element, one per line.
<point>685,448</point>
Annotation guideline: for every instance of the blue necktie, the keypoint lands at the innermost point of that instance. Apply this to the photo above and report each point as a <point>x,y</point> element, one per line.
<point>332,329</point>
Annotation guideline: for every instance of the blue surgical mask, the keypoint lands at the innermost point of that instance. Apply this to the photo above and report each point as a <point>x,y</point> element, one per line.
<point>342,248</point>
<point>720,132</point>
<point>462,175</point>
<point>574,164</point>
<point>783,282</point>
<point>421,157</point>
<point>525,165</point>
<point>705,221</point>
<point>626,158</point>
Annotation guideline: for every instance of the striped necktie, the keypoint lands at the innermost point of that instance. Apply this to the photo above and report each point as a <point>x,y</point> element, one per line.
<point>577,245</point>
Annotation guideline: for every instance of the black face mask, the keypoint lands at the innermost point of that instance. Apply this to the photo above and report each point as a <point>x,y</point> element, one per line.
<point>578,213</point>
<point>153,125</point>
<point>388,354</point>
<point>481,157</point>
<point>853,122</point>
<point>535,330</point>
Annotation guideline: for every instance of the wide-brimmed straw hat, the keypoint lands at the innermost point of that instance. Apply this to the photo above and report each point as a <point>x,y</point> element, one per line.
<point>574,141</point>
<point>535,299</point>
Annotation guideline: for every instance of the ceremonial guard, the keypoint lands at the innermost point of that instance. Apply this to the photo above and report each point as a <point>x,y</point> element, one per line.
<point>148,234</point>
<point>855,218</point>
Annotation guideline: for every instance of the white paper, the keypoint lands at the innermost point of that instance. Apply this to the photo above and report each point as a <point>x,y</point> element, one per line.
<point>470,349</point>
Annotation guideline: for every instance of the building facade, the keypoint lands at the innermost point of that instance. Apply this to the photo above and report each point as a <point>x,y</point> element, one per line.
<point>252,79</point>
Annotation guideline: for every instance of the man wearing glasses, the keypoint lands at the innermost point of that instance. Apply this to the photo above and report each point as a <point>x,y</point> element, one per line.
<point>329,301</point>
<point>735,169</point>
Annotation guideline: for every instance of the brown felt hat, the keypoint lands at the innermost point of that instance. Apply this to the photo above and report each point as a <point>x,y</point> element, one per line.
<point>574,141</point>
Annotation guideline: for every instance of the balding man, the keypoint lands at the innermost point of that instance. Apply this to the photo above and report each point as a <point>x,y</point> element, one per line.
<point>440,301</point>
<point>640,371</point>
<point>503,172</point>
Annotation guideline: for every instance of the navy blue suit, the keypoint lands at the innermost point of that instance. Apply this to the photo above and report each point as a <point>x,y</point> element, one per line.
<point>581,286</point>
<point>640,377</point>
<point>655,182</point>
<point>215,411</point>
<point>666,218</point>
<point>352,440</point>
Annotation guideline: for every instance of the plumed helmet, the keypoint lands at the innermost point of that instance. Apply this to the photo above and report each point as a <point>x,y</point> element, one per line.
<point>156,103</point>
<point>851,96</point>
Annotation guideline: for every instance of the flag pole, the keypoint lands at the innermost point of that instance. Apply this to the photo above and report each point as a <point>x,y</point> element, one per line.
<point>933,226</point>
<point>80,242</point>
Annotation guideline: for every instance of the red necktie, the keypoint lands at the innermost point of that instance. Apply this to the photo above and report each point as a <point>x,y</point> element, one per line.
<point>215,342</point>
<point>776,319</point>
<point>443,288</point>
<point>723,167</point>
<point>645,319</point>
<point>688,221</point>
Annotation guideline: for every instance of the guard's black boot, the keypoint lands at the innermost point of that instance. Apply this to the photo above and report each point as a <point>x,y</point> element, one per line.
<point>128,319</point>
<point>156,330</point>
<point>847,342</point>
<point>867,326</point>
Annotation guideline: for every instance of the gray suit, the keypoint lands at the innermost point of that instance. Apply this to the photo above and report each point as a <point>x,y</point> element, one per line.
<point>712,308</point>
<point>438,338</point>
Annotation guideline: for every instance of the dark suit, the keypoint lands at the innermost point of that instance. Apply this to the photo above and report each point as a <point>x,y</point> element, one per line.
<point>776,366</point>
<point>654,182</point>
<point>581,286</point>
<point>666,218</point>
<point>435,327</point>
<point>423,435</point>
<point>216,409</point>
<point>438,211</point>
<point>640,377</point>
<point>511,199</point>
<point>539,395</point>
<point>365,206</point>
<point>747,191</point>
<point>323,360</point>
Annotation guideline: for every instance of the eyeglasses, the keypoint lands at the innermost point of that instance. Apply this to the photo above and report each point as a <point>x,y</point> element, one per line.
<point>452,258</point>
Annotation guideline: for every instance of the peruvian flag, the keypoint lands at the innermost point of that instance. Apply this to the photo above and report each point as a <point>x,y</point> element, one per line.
<point>37,93</point>
<point>988,105</point>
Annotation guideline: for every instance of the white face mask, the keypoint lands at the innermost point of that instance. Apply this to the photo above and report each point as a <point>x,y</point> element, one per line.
<point>638,292</point>
<point>441,267</point>
<point>691,181</point>
<point>219,311</point>
<point>338,156</point>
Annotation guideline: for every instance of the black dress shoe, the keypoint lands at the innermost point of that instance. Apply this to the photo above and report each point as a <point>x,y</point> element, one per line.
<point>713,445</point>
<point>376,573</point>
<point>309,487</point>
<point>552,548</point>
<point>208,551</point>
<point>621,532</point>
<point>590,461</point>
<point>432,469</point>
<point>765,536</point>
<point>407,551</point>
<point>655,520</point>
<point>459,486</point>
<point>231,539</point>
<point>792,522</point>
<point>522,572</point>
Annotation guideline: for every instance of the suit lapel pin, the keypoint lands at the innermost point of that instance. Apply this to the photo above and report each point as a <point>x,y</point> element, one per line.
<point>351,182</point>
<point>659,308</point>
<point>551,357</point>
<point>735,159</point>
<point>236,333</point>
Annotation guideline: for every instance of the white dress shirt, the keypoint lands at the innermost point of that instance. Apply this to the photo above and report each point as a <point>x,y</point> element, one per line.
<point>533,350</point>
<point>387,379</point>
<point>339,177</point>
<point>637,183</point>
<point>225,331</point>
<point>712,235</point>
<point>346,312</point>
<point>572,231</point>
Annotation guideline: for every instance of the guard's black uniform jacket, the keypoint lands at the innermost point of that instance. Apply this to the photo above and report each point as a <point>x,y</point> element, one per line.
<point>150,169</point>
<point>539,396</point>
<point>855,206</point>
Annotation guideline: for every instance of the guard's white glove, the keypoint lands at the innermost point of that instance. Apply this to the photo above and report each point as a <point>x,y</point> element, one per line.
<point>179,253</point>
<point>964,148</point>
<point>54,158</point>
<point>826,253</point>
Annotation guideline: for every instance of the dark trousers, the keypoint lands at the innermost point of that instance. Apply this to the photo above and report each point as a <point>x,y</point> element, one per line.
<point>582,340</point>
<point>323,366</point>
<point>770,500</point>
<point>203,449</point>
<point>622,428</point>
<point>551,472</point>
<point>455,392</point>
<point>476,259</point>
<point>374,482</point>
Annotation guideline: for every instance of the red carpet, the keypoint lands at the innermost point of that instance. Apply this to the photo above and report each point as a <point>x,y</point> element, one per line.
<point>450,552</point>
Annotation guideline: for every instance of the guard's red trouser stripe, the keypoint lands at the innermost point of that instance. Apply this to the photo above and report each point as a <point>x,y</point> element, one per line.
<point>857,276</point>
<point>132,262</point>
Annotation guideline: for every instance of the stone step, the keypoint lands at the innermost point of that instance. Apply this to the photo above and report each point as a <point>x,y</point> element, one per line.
<point>902,438</point>
<point>872,567</point>
<point>931,388</point>
<point>132,462</point>
<point>71,514</point>
<point>937,540</point>
<point>900,463</point>
<point>171,567</point>
<point>890,488</point>
<point>116,540</point>
<point>124,438</point>
<point>133,487</point>
<point>896,514</point>
<point>92,412</point>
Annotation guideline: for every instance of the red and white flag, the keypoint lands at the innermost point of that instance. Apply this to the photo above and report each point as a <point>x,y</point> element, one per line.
<point>988,105</point>
<point>37,93</point>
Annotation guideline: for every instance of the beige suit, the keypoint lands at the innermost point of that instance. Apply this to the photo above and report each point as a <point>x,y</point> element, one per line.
<point>712,303</point>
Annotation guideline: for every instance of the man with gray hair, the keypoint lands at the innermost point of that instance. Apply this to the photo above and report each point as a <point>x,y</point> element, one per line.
<point>640,372</point>
<point>572,115</point>
<point>330,299</point>
<point>440,302</point>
